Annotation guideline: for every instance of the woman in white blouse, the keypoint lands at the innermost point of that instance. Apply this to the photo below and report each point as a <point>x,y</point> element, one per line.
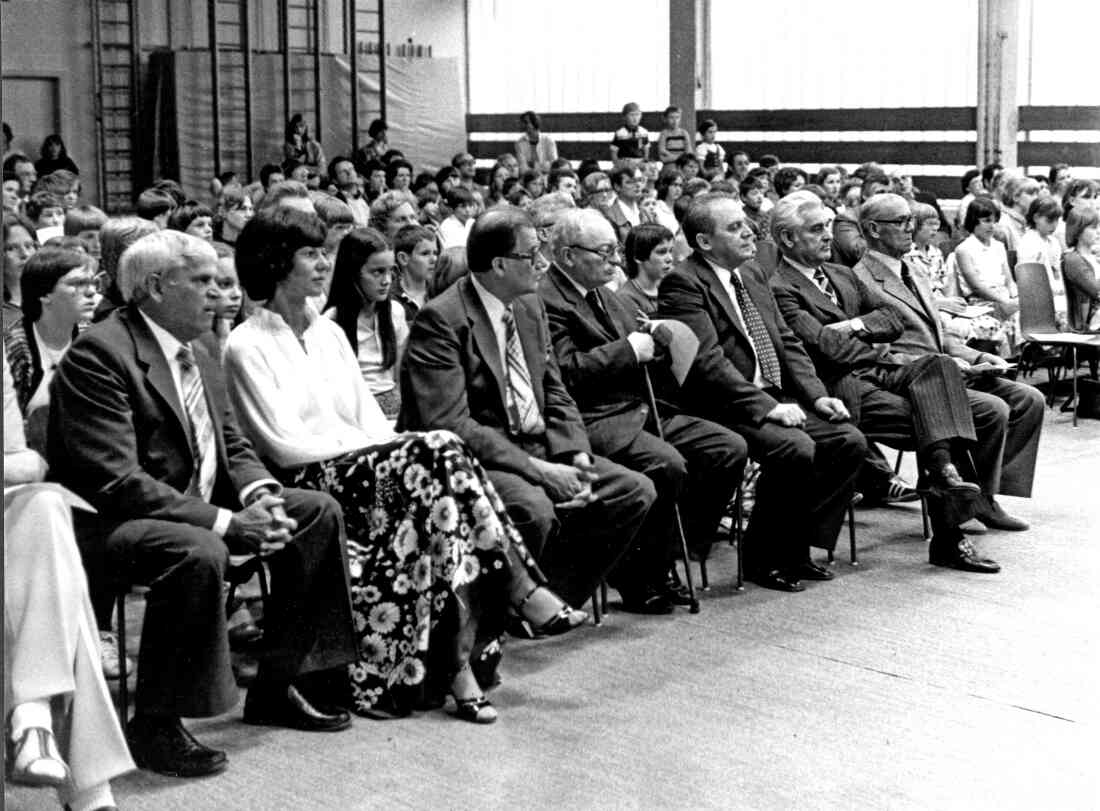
<point>434,557</point>
<point>1038,244</point>
<point>984,277</point>
<point>360,304</point>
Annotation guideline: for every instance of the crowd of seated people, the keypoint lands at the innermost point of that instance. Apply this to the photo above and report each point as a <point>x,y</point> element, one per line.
<point>442,411</point>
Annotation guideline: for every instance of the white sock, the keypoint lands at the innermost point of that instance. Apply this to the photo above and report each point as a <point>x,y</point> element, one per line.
<point>30,714</point>
<point>91,798</point>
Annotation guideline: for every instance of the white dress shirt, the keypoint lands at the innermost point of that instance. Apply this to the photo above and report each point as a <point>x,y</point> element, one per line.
<point>453,234</point>
<point>725,276</point>
<point>494,308</point>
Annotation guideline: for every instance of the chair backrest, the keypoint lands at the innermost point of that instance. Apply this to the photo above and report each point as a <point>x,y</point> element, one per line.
<point>1036,300</point>
<point>951,276</point>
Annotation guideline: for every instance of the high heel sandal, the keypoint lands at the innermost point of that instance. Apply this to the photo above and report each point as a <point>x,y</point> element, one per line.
<point>562,622</point>
<point>36,747</point>
<point>476,710</point>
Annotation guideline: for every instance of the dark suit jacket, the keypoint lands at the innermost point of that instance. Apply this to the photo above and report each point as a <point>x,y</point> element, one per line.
<point>597,364</point>
<point>808,311</point>
<point>848,242</point>
<point>720,381</point>
<point>452,378</point>
<point>120,438</point>
<point>921,330</point>
<point>1082,289</point>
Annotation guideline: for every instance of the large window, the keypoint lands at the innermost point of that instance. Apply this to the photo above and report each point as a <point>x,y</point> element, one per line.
<point>1058,53</point>
<point>567,56</point>
<point>793,54</point>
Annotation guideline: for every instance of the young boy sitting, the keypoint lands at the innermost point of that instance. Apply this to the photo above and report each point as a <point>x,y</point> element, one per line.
<point>454,229</point>
<point>416,253</point>
<point>630,141</point>
<point>45,211</point>
<point>84,222</point>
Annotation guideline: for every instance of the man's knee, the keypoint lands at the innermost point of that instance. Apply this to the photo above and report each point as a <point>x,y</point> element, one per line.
<point>312,506</point>
<point>534,517</point>
<point>793,448</point>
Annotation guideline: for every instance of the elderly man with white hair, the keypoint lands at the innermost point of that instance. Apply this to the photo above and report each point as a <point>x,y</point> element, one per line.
<point>605,357</point>
<point>141,427</point>
<point>847,328</point>
<point>1008,416</point>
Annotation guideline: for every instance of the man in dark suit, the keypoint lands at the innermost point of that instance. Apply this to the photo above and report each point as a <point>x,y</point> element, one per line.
<point>479,363</point>
<point>753,375</point>
<point>846,328</point>
<point>141,427</point>
<point>607,362</point>
<point>1008,416</point>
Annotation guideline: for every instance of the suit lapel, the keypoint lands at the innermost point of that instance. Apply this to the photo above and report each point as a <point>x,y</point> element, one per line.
<point>797,279</point>
<point>572,296</point>
<point>157,373</point>
<point>485,339</point>
<point>708,276</point>
<point>893,286</point>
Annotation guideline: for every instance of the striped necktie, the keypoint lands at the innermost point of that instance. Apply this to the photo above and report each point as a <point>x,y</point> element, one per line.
<point>824,284</point>
<point>202,427</point>
<point>523,411</point>
<point>761,340</point>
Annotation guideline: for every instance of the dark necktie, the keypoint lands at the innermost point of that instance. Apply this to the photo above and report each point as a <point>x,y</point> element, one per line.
<point>202,428</point>
<point>761,340</point>
<point>824,284</point>
<point>601,313</point>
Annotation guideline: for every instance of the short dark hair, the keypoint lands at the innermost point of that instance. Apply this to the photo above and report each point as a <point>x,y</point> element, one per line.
<point>151,203</point>
<point>640,243</point>
<point>1048,207</point>
<point>406,240</point>
<point>531,117</point>
<point>989,171</point>
<point>706,124</point>
<point>494,234</point>
<point>880,178</point>
<point>83,218</point>
<point>700,217</point>
<point>39,202</point>
<point>459,196</point>
<point>393,166</point>
<point>967,177</point>
<point>173,189</point>
<point>1054,170</point>
<point>672,108</point>
<point>557,174</point>
<point>181,217</point>
<point>376,128</point>
<point>267,244</point>
<point>620,174</point>
<point>41,274</point>
<point>685,159</point>
<point>669,175</point>
<point>266,171</point>
<point>768,161</point>
<point>785,178</point>
<point>330,170</point>
<point>751,182</point>
<point>979,209</point>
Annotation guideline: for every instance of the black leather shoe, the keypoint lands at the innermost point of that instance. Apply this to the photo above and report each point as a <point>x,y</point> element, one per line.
<point>993,516</point>
<point>961,499</point>
<point>777,581</point>
<point>810,571</point>
<point>675,591</point>
<point>164,745</point>
<point>286,707</point>
<point>959,554</point>
<point>646,601</point>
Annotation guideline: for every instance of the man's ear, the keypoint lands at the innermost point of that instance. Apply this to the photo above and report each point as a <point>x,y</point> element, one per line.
<point>702,242</point>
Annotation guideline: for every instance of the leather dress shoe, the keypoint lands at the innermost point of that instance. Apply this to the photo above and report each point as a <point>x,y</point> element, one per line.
<point>959,554</point>
<point>286,707</point>
<point>645,601</point>
<point>675,591</point>
<point>993,516</point>
<point>163,744</point>
<point>961,499</point>
<point>810,571</point>
<point>776,580</point>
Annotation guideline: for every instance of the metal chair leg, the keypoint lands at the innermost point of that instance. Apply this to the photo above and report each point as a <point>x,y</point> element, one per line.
<point>597,617</point>
<point>123,676</point>
<point>737,538</point>
<point>704,580</point>
<point>924,519</point>
<point>603,595</point>
<point>853,559</point>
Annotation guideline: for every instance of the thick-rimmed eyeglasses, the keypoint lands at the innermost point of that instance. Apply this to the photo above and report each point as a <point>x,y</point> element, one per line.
<point>605,252</point>
<point>901,222</point>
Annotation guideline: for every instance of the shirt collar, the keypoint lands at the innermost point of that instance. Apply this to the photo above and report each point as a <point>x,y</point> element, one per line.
<point>891,262</point>
<point>273,322</point>
<point>576,286</point>
<point>806,270</point>
<point>169,344</point>
<point>725,274</point>
<point>494,307</point>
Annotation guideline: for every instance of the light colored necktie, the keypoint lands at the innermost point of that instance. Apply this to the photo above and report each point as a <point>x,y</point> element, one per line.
<point>523,411</point>
<point>202,427</point>
<point>824,284</point>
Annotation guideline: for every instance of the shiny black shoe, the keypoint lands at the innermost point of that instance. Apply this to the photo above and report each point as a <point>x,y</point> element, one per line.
<point>286,707</point>
<point>565,620</point>
<point>810,571</point>
<point>959,554</point>
<point>776,580</point>
<point>993,516</point>
<point>675,590</point>
<point>645,601</point>
<point>165,746</point>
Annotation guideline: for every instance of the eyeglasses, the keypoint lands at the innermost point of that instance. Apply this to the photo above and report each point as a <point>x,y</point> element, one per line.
<point>379,273</point>
<point>530,258</point>
<point>901,222</point>
<point>605,252</point>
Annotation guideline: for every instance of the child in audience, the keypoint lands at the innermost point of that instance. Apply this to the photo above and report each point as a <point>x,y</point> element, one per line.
<point>708,151</point>
<point>416,253</point>
<point>674,139</point>
<point>155,205</point>
<point>45,210</point>
<point>62,183</point>
<point>20,244</point>
<point>688,165</point>
<point>234,210</point>
<point>193,218</point>
<point>534,149</point>
<point>84,222</point>
<point>649,258</point>
<point>453,230</point>
<point>227,312</point>
<point>1038,244</point>
<point>753,189</point>
<point>630,142</point>
<point>648,205</point>
<point>533,183</point>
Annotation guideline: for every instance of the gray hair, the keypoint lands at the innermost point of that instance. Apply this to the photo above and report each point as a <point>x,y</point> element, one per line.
<point>1013,185</point>
<point>571,225</point>
<point>790,211</point>
<point>876,207</point>
<point>548,208</point>
<point>386,203</point>
<point>161,252</point>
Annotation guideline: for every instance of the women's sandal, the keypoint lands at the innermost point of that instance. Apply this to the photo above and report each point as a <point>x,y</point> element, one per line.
<point>563,622</point>
<point>476,710</point>
<point>35,760</point>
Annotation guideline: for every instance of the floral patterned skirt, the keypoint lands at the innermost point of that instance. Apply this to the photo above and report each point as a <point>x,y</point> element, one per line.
<point>427,540</point>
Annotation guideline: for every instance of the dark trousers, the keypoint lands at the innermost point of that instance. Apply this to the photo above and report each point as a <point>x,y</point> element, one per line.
<point>805,485</point>
<point>577,548</point>
<point>698,465</point>
<point>183,664</point>
<point>1008,419</point>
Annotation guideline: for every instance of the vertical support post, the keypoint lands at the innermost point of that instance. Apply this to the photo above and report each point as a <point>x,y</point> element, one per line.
<point>317,69</point>
<point>284,16</point>
<point>135,90</point>
<point>100,124</point>
<point>382,59</point>
<point>246,46</point>
<point>998,57</point>
<point>682,58</point>
<point>351,17</point>
<point>215,107</point>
